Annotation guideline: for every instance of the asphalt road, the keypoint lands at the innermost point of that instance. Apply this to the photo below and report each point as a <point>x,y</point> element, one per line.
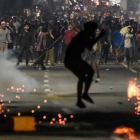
<point>56,94</point>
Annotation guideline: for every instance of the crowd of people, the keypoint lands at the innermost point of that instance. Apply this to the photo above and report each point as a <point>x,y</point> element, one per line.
<point>31,36</point>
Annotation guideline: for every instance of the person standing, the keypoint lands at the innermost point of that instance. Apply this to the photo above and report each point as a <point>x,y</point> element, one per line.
<point>116,42</point>
<point>41,47</point>
<point>50,52</point>
<point>128,42</point>
<point>69,35</point>
<point>25,43</point>
<point>11,39</point>
<point>4,37</point>
<point>105,43</point>
<point>16,24</point>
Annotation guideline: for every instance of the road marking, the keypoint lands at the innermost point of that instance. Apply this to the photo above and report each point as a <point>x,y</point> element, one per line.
<point>47,70</point>
<point>134,71</point>
<point>46,85</point>
<point>46,81</point>
<point>47,90</point>
<point>46,73</point>
<point>66,110</point>
<point>46,76</point>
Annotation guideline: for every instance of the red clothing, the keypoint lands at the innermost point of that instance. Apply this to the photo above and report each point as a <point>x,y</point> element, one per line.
<point>138,34</point>
<point>69,35</point>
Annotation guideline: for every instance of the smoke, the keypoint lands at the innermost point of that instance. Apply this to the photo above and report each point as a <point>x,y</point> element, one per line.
<point>11,76</point>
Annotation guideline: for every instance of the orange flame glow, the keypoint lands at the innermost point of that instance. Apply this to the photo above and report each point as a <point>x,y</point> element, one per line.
<point>128,133</point>
<point>134,91</point>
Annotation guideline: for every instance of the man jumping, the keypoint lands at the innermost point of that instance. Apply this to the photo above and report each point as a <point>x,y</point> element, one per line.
<point>73,60</point>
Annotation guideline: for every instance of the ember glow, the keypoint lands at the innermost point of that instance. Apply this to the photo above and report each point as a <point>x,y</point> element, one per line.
<point>127,132</point>
<point>45,101</point>
<point>19,114</point>
<point>0,108</point>
<point>134,91</point>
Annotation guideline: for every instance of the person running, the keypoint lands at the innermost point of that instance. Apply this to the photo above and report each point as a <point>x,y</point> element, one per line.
<point>85,39</point>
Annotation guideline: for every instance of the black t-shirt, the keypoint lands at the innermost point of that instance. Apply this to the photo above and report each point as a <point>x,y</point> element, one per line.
<point>78,45</point>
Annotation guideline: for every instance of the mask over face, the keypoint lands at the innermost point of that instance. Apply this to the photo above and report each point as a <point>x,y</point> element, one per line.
<point>69,29</point>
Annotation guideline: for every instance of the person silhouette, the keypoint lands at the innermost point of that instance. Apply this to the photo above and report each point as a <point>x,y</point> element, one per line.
<point>85,39</point>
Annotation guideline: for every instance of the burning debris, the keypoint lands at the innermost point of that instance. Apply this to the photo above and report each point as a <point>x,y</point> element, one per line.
<point>126,132</point>
<point>134,91</point>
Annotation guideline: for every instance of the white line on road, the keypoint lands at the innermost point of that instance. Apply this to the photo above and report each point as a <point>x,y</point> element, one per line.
<point>46,76</point>
<point>46,85</point>
<point>47,90</point>
<point>68,111</point>
<point>46,81</point>
<point>134,71</point>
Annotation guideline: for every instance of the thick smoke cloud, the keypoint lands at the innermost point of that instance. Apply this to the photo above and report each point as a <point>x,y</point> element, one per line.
<point>11,76</point>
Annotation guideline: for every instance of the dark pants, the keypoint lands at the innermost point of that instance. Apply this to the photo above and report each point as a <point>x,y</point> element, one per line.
<point>41,59</point>
<point>56,52</point>
<point>63,52</point>
<point>27,54</point>
<point>105,52</point>
<point>79,67</point>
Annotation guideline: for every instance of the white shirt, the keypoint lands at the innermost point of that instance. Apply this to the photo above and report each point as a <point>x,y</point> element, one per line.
<point>16,25</point>
<point>127,41</point>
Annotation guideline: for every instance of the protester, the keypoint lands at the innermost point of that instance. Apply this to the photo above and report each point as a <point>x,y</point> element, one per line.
<point>4,37</point>
<point>129,44</point>
<point>50,52</point>
<point>25,43</point>
<point>84,40</point>
<point>41,48</point>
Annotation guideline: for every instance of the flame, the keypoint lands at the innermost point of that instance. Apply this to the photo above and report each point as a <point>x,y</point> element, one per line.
<point>44,117</point>
<point>32,111</point>
<point>45,101</point>
<point>19,114</point>
<point>133,89</point>
<point>0,108</point>
<point>97,2</point>
<point>107,3</point>
<point>128,133</point>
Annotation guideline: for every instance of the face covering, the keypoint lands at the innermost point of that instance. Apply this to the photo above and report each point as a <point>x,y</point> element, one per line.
<point>69,29</point>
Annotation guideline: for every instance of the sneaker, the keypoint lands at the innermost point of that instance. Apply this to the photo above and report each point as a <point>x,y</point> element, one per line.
<point>88,99</point>
<point>97,80</point>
